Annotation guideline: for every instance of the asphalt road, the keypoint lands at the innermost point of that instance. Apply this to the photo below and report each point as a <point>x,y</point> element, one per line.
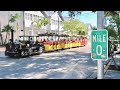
<point>65,64</point>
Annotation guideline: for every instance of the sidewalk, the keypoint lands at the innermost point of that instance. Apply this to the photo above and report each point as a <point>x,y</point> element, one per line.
<point>2,50</point>
<point>111,74</point>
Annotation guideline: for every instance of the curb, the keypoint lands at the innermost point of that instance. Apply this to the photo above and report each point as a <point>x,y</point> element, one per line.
<point>93,76</point>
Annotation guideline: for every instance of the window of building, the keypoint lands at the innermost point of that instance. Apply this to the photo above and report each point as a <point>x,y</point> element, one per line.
<point>40,17</point>
<point>35,17</point>
<point>30,33</point>
<point>54,22</point>
<point>61,22</point>
<point>51,21</point>
<point>25,15</point>
<point>30,16</point>
<point>11,15</point>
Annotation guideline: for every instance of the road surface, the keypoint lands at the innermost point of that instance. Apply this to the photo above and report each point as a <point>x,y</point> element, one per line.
<point>65,64</point>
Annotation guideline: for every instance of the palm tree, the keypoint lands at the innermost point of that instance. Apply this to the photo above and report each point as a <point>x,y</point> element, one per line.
<point>8,28</point>
<point>14,18</point>
<point>1,35</point>
<point>45,21</point>
<point>40,22</point>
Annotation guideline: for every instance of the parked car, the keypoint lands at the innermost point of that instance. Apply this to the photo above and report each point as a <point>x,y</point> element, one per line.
<point>113,45</point>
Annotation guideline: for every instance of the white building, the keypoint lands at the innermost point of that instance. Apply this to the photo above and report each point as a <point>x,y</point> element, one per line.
<point>89,28</point>
<point>32,29</point>
<point>29,17</point>
<point>56,21</point>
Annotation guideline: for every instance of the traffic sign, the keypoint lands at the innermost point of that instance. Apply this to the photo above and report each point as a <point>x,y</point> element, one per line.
<point>99,45</point>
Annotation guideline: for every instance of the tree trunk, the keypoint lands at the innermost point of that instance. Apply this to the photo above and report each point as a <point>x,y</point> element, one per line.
<point>1,39</point>
<point>5,38</point>
<point>119,34</point>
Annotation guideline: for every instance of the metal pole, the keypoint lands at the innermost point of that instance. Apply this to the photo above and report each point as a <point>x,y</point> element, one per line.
<point>8,16</point>
<point>23,24</point>
<point>100,25</point>
<point>58,25</point>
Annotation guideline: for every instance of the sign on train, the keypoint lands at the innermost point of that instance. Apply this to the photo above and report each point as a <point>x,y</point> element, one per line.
<point>99,44</point>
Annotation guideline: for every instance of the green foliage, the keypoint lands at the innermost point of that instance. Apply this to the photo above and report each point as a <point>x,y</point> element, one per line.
<point>7,28</point>
<point>111,31</point>
<point>40,22</point>
<point>75,26</point>
<point>94,28</point>
<point>74,13</point>
<point>14,18</point>
<point>45,21</point>
<point>114,21</point>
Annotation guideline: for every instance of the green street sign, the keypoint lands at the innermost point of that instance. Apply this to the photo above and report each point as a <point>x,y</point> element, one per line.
<point>99,45</point>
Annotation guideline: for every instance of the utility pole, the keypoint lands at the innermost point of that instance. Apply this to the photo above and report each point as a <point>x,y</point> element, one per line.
<point>23,24</point>
<point>58,25</point>
<point>100,25</point>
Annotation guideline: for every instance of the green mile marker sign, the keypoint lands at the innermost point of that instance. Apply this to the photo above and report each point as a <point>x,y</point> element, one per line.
<point>99,45</point>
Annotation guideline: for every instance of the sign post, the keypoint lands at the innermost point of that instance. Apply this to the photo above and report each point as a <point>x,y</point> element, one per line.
<point>99,46</point>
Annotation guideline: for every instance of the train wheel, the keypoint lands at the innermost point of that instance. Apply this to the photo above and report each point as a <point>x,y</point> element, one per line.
<point>30,52</point>
<point>6,53</point>
<point>41,50</point>
<point>26,53</point>
<point>19,55</point>
<point>22,53</point>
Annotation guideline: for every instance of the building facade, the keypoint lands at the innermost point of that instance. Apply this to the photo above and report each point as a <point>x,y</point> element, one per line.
<point>27,17</point>
<point>89,29</point>
<point>55,22</point>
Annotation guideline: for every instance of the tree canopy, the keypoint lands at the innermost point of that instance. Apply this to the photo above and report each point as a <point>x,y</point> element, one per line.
<point>40,22</point>
<point>111,16</point>
<point>75,27</point>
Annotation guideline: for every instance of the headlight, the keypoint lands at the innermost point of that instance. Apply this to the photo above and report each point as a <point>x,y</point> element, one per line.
<point>28,45</point>
<point>17,45</point>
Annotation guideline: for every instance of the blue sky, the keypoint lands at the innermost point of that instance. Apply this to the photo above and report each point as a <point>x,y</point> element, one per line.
<point>86,17</point>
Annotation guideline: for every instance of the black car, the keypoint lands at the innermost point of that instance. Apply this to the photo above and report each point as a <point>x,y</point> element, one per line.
<point>26,46</point>
<point>113,45</point>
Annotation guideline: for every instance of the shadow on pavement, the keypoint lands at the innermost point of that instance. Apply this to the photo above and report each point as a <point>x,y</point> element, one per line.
<point>51,66</point>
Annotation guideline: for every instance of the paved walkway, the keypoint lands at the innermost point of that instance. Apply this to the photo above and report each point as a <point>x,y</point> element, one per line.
<point>2,50</point>
<point>66,64</point>
<point>70,63</point>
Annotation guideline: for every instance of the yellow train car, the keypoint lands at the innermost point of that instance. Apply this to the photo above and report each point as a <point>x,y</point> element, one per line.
<point>53,42</point>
